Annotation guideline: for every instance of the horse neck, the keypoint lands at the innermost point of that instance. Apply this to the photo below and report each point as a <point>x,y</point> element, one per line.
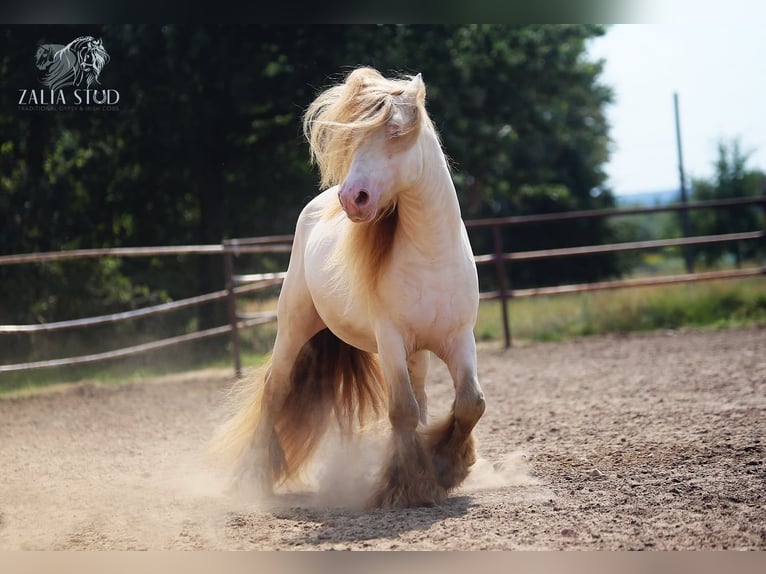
<point>429,212</point>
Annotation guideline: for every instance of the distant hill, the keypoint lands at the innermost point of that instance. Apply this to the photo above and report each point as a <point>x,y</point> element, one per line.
<point>649,198</point>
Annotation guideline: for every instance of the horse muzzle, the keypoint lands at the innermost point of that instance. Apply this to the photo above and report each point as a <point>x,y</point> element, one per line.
<point>358,203</point>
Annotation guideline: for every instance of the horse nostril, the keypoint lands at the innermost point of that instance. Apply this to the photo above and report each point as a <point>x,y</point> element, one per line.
<point>362,197</point>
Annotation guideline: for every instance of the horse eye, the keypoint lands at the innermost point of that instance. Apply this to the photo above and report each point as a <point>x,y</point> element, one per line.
<point>375,109</point>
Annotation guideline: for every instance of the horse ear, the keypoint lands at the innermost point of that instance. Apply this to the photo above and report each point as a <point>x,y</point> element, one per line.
<point>416,91</point>
<point>406,112</point>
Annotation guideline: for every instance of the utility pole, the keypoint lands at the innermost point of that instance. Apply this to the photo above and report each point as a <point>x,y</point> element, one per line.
<point>685,227</point>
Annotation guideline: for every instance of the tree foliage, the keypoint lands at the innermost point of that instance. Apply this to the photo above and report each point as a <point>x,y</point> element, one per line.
<point>731,179</point>
<point>206,145</point>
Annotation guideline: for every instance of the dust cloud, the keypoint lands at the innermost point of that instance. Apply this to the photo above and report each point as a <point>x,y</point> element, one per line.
<point>511,470</point>
<point>344,470</point>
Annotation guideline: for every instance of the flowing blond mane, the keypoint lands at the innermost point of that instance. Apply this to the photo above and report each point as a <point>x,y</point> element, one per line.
<point>363,253</point>
<point>334,124</point>
<point>344,114</point>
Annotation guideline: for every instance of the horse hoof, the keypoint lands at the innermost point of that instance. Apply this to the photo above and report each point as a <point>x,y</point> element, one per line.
<point>252,478</point>
<point>400,497</point>
<point>251,486</point>
<point>453,451</point>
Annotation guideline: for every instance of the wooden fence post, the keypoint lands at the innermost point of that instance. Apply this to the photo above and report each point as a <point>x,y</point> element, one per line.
<point>763,211</point>
<point>685,225</point>
<point>231,305</point>
<point>500,267</point>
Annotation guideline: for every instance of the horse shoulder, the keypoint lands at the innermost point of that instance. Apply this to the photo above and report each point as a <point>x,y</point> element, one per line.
<point>308,219</point>
<point>317,208</point>
<point>431,298</point>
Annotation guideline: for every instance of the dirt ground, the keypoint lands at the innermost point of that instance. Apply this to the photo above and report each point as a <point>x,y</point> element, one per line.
<point>652,441</point>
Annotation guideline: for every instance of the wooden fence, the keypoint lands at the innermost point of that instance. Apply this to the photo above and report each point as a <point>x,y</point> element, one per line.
<point>501,258</point>
<point>229,249</point>
<point>236,285</point>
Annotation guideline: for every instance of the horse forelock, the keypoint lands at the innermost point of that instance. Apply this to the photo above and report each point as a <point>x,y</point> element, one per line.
<point>345,114</point>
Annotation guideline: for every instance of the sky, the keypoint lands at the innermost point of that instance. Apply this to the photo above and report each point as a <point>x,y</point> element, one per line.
<point>717,66</point>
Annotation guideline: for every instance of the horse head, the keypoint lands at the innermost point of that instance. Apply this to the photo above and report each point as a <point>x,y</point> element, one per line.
<point>387,160</point>
<point>364,135</point>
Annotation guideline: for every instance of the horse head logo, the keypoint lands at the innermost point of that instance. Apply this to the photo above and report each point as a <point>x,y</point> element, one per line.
<point>70,65</point>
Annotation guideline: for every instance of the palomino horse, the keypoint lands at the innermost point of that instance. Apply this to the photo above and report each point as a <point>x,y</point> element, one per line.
<point>381,273</point>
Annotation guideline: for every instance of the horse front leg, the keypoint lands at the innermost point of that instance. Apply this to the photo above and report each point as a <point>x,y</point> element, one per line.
<point>407,478</point>
<point>451,441</point>
<point>417,368</point>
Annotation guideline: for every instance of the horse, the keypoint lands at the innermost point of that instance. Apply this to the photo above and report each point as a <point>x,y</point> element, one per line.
<point>381,275</point>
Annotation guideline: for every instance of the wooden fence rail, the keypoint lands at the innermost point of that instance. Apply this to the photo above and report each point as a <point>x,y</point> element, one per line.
<point>134,350</point>
<point>500,258</point>
<point>625,246</point>
<point>236,285</point>
<point>612,212</point>
<point>231,247</point>
<point>252,283</point>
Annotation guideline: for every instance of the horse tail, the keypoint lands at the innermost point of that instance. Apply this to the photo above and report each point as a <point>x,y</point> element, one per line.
<point>329,377</point>
<point>243,407</point>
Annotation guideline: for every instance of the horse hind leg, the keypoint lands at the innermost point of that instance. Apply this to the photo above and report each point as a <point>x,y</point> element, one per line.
<point>260,462</point>
<point>250,438</point>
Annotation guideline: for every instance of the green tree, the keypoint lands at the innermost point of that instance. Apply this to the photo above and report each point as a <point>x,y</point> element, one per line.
<point>731,179</point>
<point>521,112</point>
<point>207,145</point>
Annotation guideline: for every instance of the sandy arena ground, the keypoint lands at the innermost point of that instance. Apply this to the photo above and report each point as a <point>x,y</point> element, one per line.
<point>652,441</point>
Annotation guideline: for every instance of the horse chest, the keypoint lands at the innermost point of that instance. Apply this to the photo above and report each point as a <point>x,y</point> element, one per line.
<point>428,296</point>
<point>430,302</point>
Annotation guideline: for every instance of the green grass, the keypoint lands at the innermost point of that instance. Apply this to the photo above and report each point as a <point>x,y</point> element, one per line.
<point>731,302</point>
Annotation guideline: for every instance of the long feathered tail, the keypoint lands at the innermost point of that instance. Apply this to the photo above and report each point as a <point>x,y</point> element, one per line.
<point>329,378</point>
